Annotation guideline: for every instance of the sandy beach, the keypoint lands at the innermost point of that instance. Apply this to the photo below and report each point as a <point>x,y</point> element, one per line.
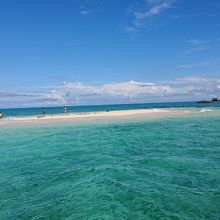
<point>95,116</point>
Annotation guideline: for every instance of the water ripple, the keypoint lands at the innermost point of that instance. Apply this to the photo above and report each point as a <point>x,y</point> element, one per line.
<point>168,169</point>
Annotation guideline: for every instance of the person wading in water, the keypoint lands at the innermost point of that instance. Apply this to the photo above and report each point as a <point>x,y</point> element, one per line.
<point>65,109</point>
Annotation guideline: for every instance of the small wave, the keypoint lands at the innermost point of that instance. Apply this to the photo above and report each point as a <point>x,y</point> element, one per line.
<point>10,118</point>
<point>206,110</point>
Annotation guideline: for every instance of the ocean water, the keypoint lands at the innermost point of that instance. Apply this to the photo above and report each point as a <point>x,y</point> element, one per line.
<point>155,169</point>
<point>20,112</point>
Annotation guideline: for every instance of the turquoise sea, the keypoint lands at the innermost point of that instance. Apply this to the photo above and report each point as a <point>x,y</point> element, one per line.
<point>153,169</point>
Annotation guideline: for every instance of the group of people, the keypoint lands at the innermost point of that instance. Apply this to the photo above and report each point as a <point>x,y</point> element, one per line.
<point>43,110</point>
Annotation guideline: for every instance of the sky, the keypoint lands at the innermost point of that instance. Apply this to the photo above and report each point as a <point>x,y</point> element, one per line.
<point>83,52</point>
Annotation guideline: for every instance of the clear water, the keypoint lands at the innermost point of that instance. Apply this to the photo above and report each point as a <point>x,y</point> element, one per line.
<point>18,112</point>
<point>159,169</point>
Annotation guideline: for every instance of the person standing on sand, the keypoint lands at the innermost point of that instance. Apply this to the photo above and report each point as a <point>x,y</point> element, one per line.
<point>1,115</point>
<point>43,111</point>
<point>65,109</point>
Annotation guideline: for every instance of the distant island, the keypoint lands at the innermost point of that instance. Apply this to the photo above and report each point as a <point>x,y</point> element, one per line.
<point>214,99</point>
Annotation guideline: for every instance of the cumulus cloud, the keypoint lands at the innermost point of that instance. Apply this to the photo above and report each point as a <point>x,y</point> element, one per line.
<point>136,90</point>
<point>130,89</point>
<point>202,81</point>
<point>71,93</point>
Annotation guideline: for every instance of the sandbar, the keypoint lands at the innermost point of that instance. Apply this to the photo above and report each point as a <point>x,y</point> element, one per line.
<point>105,116</point>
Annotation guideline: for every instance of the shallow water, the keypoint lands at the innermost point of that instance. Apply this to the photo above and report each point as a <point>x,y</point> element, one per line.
<point>159,169</point>
<point>21,112</point>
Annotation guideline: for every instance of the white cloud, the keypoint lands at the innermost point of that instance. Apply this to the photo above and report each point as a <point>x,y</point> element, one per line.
<point>200,81</point>
<point>199,64</point>
<point>85,12</point>
<point>72,93</point>
<point>155,10</point>
<point>130,89</point>
<point>197,45</point>
<point>150,8</point>
<point>195,41</point>
<point>179,16</point>
<point>153,1</point>
<point>197,49</point>
<point>86,8</point>
<point>206,63</point>
<point>129,29</point>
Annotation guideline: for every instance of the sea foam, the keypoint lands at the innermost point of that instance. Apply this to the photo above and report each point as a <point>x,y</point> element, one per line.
<point>206,110</point>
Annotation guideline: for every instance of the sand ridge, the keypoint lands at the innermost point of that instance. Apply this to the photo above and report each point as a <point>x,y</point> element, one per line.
<point>93,116</point>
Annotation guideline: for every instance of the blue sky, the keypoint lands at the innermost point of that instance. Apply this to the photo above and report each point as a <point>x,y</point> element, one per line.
<point>58,52</point>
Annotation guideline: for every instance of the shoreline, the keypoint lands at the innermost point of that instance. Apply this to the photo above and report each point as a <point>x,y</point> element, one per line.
<point>73,118</point>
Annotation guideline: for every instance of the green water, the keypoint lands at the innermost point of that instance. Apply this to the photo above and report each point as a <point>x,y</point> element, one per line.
<point>162,169</point>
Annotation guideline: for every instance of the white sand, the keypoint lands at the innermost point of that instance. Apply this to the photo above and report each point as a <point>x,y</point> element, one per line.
<point>96,116</point>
